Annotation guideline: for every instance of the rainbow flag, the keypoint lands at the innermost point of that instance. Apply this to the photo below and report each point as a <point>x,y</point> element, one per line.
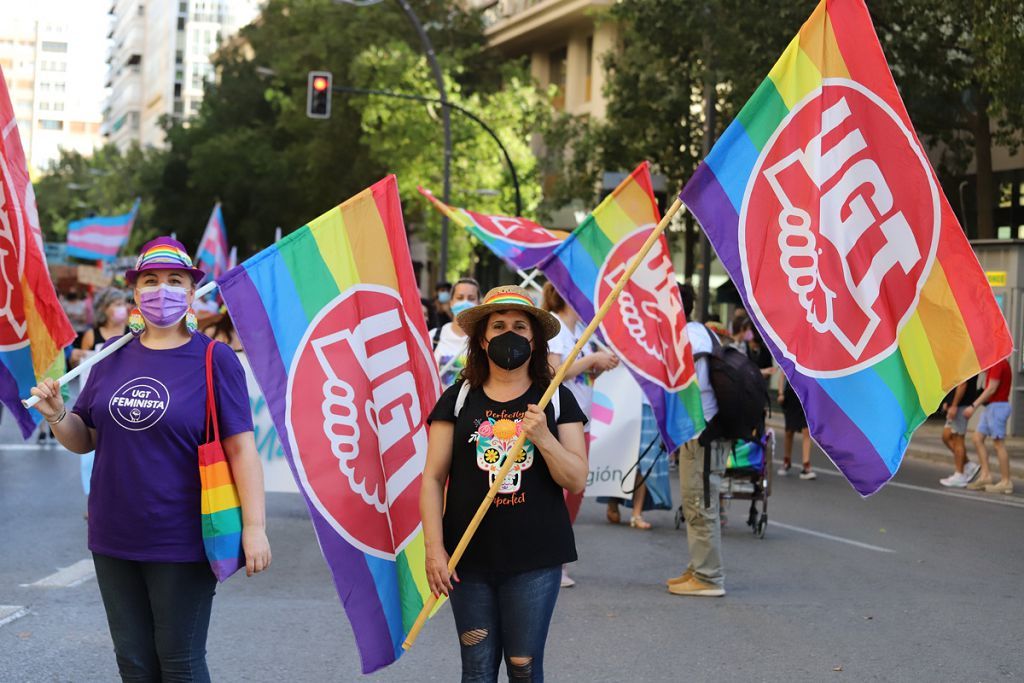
<point>821,204</point>
<point>33,327</point>
<point>330,319</point>
<point>212,256</point>
<point>520,243</point>
<point>646,326</point>
<point>100,238</point>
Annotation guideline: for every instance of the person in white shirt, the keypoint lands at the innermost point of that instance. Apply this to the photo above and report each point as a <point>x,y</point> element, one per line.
<point>450,340</point>
<point>579,379</point>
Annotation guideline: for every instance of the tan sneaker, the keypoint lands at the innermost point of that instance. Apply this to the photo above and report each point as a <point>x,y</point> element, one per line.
<point>695,586</point>
<point>980,483</point>
<point>1004,486</point>
<point>682,578</point>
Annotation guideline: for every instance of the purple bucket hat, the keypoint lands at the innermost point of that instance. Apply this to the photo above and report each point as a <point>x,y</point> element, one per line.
<point>163,253</point>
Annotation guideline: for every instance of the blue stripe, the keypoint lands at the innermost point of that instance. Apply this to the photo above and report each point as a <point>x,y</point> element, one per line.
<point>732,159</point>
<point>271,277</point>
<point>385,576</point>
<point>223,547</point>
<point>88,255</point>
<point>868,402</point>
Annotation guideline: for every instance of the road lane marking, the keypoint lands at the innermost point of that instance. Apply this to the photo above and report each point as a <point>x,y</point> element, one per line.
<point>9,613</point>
<point>830,537</point>
<point>980,497</point>
<point>68,577</point>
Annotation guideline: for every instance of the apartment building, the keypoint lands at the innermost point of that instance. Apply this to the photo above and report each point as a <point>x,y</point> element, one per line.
<point>159,61</point>
<point>565,41</point>
<point>53,70</point>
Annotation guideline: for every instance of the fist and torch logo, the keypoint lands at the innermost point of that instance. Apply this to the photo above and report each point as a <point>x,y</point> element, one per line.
<point>834,227</point>
<point>361,383</point>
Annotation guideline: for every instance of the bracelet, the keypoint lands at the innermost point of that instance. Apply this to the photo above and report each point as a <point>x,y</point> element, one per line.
<point>59,419</point>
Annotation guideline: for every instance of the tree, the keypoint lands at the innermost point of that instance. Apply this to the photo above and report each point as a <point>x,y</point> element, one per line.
<point>959,66</point>
<point>105,183</point>
<point>402,136</point>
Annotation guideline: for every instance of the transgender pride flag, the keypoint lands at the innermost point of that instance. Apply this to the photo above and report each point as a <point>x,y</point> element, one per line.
<point>821,204</point>
<point>100,238</point>
<point>212,257</point>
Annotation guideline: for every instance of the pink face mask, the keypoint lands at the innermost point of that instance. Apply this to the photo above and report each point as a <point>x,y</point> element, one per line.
<point>163,305</point>
<point>748,336</point>
<point>119,314</point>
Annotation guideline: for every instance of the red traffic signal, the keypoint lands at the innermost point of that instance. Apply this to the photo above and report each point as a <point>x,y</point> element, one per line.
<point>318,95</point>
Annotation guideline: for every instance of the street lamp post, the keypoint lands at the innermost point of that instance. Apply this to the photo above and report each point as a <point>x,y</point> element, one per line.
<point>446,119</point>
<point>461,109</point>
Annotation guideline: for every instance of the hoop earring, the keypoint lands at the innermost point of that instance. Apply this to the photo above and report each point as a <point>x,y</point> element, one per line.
<point>191,324</point>
<point>136,323</point>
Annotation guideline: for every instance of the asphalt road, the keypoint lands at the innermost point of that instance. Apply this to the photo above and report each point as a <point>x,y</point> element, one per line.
<point>915,583</point>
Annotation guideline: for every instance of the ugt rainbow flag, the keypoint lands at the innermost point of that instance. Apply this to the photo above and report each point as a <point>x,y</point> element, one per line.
<point>100,238</point>
<point>212,256</point>
<point>646,326</point>
<point>331,321</point>
<point>520,243</point>
<point>33,326</point>
<point>821,204</point>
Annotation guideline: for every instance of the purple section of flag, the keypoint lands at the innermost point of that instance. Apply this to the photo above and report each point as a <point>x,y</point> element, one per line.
<point>841,439</point>
<point>355,586</point>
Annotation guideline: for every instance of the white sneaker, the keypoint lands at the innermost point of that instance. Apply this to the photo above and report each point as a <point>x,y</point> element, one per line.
<point>971,470</point>
<point>784,470</point>
<point>808,474</point>
<point>567,581</point>
<point>957,480</point>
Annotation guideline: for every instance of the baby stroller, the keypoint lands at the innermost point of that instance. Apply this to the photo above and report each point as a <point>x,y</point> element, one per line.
<point>748,477</point>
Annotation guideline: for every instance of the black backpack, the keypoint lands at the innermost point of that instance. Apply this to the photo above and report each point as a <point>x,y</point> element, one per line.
<point>740,390</point>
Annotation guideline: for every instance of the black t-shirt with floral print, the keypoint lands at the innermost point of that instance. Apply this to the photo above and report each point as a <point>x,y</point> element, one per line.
<point>528,525</point>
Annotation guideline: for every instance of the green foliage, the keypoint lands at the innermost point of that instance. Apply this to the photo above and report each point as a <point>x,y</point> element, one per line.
<point>252,147</point>
<point>106,183</point>
<point>403,136</point>
<point>954,61</point>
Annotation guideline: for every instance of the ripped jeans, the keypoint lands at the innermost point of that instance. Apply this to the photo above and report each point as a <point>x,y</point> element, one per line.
<point>504,614</point>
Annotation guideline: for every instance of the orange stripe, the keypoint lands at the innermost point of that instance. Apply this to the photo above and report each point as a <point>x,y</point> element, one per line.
<point>947,333</point>
<point>818,42</point>
<point>368,239</point>
<point>44,349</point>
<point>217,474</point>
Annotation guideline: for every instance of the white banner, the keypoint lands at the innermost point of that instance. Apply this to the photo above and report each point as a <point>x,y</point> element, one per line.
<point>614,434</point>
<point>277,476</point>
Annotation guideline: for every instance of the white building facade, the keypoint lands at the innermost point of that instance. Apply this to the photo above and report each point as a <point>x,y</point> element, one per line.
<point>160,60</point>
<point>52,67</point>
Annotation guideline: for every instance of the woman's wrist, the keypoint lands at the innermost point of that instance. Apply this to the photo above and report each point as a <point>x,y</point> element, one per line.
<point>59,418</point>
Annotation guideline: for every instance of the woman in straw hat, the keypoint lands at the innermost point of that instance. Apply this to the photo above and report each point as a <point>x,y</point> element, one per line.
<point>143,411</point>
<point>507,582</point>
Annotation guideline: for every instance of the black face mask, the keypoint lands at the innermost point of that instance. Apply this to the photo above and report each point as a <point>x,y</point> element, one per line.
<point>509,350</point>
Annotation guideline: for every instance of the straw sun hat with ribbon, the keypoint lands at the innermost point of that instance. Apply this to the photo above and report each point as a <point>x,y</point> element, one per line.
<point>508,298</point>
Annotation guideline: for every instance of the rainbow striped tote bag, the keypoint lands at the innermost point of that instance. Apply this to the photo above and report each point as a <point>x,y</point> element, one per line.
<point>221,509</point>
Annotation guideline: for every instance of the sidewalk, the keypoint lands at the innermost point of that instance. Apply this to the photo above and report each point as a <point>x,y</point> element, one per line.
<point>927,445</point>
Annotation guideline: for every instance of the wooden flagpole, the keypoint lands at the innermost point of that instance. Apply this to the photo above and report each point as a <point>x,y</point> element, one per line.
<point>485,505</point>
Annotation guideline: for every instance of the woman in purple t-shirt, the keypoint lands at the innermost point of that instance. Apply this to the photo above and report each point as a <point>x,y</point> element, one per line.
<point>143,411</point>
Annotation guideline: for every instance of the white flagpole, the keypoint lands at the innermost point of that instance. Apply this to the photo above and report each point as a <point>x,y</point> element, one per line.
<point>106,351</point>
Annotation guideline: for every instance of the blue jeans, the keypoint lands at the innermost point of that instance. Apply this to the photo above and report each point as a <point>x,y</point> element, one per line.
<point>506,614</point>
<point>158,613</point>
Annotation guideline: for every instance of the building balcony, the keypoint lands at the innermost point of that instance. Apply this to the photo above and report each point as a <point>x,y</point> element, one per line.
<point>520,25</point>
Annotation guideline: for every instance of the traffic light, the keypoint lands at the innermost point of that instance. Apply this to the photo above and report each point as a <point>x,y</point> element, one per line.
<point>318,95</point>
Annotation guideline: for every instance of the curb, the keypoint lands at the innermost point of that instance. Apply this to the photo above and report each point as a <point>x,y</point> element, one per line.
<point>940,456</point>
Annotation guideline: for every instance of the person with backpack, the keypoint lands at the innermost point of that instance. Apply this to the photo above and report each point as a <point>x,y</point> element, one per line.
<point>449,340</point>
